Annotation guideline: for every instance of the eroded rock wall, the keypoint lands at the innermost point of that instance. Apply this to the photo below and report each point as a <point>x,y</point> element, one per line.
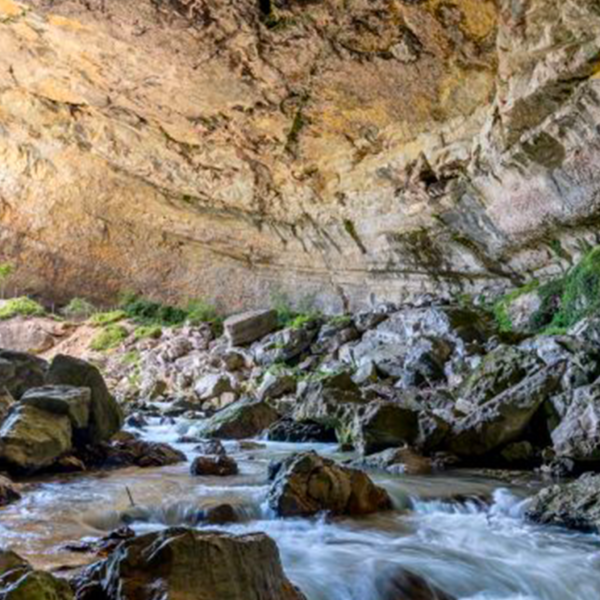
<point>348,148</point>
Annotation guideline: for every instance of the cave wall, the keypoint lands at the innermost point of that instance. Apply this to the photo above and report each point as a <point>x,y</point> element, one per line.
<point>348,149</point>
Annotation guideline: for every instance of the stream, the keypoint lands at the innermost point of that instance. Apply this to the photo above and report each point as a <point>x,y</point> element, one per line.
<point>441,528</point>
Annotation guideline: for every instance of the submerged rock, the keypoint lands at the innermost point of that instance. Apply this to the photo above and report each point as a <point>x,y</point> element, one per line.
<point>574,505</point>
<point>243,419</point>
<point>398,461</point>
<point>404,585</point>
<point>183,564</point>
<point>305,484</point>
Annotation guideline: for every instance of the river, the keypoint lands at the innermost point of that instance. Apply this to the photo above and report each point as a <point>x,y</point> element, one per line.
<point>461,531</point>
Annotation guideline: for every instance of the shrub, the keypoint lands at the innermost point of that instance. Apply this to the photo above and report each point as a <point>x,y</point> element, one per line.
<point>79,308</point>
<point>199,311</point>
<point>108,318</point>
<point>24,306</point>
<point>108,338</point>
<point>148,312</point>
<point>147,332</point>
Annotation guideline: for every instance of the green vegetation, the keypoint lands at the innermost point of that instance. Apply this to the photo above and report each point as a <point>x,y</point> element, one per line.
<point>108,338</point>
<point>24,307</point>
<point>340,320</point>
<point>107,318</point>
<point>147,332</point>
<point>6,270</point>
<point>296,318</point>
<point>563,301</point>
<point>79,308</point>
<point>131,358</point>
<point>199,311</point>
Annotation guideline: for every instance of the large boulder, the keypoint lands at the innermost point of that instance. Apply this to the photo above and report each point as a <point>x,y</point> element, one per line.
<point>285,345</point>
<point>250,326</point>
<point>183,564</point>
<point>399,461</point>
<point>20,371</point>
<point>219,465</point>
<point>212,386</point>
<point>574,505</point>
<point>383,425</point>
<point>332,401</point>
<point>31,334</point>
<point>19,581</point>
<point>306,483</point>
<point>106,417</point>
<point>31,439</point>
<point>578,435</point>
<point>74,402</point>
<point>505,418</point>
<point>244,419</point>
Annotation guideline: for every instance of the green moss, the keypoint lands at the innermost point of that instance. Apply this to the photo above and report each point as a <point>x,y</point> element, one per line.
<point>107,318</point>
<point>147,332</point>
<point>23,307</point>
<point>500,308</point>
<point>108,338</point>
<point>340,320</point>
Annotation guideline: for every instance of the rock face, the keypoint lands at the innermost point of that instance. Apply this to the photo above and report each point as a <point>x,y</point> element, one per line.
<point>343,149</point>
<point>306,484</point>
<point>183,564</point>
<point>575,505</point>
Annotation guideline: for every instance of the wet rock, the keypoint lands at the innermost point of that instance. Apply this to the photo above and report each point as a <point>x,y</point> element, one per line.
<point>306,483</point>
<point>434,428</point>
<point>404,585</point>
<point>399,461</point>
<point>31,439</point>
<point>574,505</point>
<point>18,581</point>
<point>250,326</point>
<point>137,421</point>
<point>244,419</point>
<point>578,435</point>
<point>219,465</point>
<point>186,565</point>
<point>221,514</point>
<point>384,425</point>
<point>275,385</point>
<point>6,401</point>
<point>299,432</point>
<point>106,416</point>
<point>20,371</point>
<point>208,447</point>
<point>73,402</point>
<point>8,491</point>
<point>519,454</point>
<point>505,418</point>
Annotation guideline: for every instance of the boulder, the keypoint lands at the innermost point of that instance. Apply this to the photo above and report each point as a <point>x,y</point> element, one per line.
<point>18,581</point>
<point>275,385</point>
<point>210,447</point>
<point>243,419</point>
<point>8,491</point>
<point>33,335</point>
<point>424,363</point>
<point>331,401</point>
<point>505,418</point>
<point>578,435</point>
<point>106,417</point>
<point>219,465</point>
<point>284,345</point>
<point>183,564</point>
<point>212,386</point>
<point>384,425</point>
<point>574,505</point>
<point>299,432</point>
<point>6,401</point>
<point>306,484</point>
<point>74,402</point>
<point>20,371</point>
<point>250,326</point>
<point>31,439</point>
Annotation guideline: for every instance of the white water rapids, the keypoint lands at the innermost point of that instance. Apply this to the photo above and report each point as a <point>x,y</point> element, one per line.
<point>470,549</point>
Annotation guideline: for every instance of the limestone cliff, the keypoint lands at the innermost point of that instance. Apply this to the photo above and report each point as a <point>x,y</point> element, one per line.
<point>352,148</point>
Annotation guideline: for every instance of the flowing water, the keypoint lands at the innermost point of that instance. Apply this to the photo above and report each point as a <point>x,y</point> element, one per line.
<point>441,529</point>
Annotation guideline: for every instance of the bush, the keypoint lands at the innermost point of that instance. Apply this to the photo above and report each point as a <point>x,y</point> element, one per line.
<point>79,308</point>
<point>110,337</point>
<point>25,307</point>
<point>288,316</point>
<point>148,312</point>
<point>108,318</point>
<point>147,332</point>
<point>199,311</point>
